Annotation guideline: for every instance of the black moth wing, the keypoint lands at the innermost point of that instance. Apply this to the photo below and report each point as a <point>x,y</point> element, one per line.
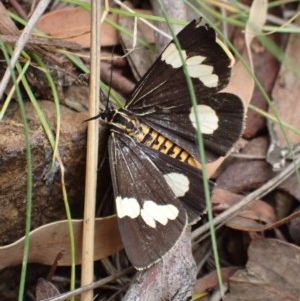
<point>178,174</point>
<point>218,141</point>
<point>197,38</point>
<point>151,218</point>
<point>163,101</point>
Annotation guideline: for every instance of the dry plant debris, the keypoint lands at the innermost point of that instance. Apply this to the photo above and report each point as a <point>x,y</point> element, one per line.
<point>255,267</point>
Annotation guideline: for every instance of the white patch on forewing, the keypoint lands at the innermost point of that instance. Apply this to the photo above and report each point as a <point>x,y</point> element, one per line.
<point>179,183</point>
<point>172,57</point>
<point>210,80</point>
<point>194,65</point>
<point>127,207</point>
<point>201,71</point>
<point>152,213</point>
<point>209,121</point>
<point>195,60</point>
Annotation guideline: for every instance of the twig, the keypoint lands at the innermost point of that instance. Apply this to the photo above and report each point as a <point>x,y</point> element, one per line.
<point>18,8</point>
<point>155,28</point>
<point>87,268</point>
<point>20,44</point>
<point>42,42</point>
<point>91,286</point>
<point>221,219</point>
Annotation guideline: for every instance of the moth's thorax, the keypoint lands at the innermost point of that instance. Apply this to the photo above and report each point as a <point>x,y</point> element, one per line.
<point>122,121</point>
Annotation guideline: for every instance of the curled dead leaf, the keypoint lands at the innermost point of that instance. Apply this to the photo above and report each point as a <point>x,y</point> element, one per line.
<point>270,273</point>
<point>46,241</point>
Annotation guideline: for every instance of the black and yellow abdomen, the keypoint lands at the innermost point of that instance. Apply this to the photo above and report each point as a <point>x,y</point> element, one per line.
<point>122,121</point>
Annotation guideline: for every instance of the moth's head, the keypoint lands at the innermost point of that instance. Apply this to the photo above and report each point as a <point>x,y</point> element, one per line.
<point>103,116</point>
<point>107,110</point>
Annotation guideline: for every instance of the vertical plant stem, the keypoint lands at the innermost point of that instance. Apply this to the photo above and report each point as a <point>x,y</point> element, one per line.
<point>92,157</point>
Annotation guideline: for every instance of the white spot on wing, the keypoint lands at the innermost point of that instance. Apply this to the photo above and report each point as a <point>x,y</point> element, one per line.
<point>172,57</point>
<point>201,71</point>
<point>152,213</point>
<point>127,207</point>
<point>179,183</point>
<point>194,65</point>
<point>195,60</point>
<point>210,80</point>
<point>207,117</point>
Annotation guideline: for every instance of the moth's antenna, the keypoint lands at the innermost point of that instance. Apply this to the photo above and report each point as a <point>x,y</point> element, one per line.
<point>111,77</point>
<point>103,114</point>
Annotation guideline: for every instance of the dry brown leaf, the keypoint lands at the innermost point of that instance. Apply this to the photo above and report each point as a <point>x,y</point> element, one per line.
<point>47,241</point>
<point>291,186</point>
<point>223,199</point>
<point>259,216</point>
<point>45,289</point>
<point>211,280</point>
<point>294,227</point>
<point>141,59</point>
<point>254,218</point>
<point>260,211</point>
<point>286,91</point>
<point>245,174</point>
<point>271,273</point>
<point>242,223</point>
<point>266,67</point>
<point>73,24</point>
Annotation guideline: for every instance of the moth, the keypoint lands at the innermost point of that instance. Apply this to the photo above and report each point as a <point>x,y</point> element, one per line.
<point>153,154</point>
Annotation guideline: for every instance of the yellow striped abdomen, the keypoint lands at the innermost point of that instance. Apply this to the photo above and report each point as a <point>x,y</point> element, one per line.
<point>154,140</point>
<point>122,121</point>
